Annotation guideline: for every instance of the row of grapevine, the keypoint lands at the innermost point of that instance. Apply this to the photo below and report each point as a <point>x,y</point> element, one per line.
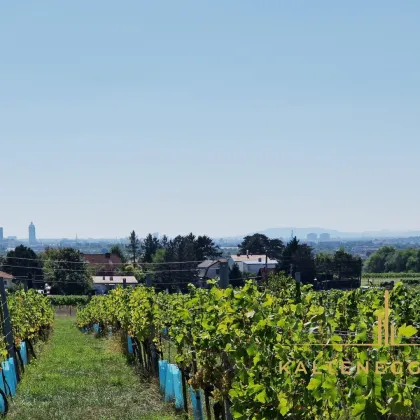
<point>25,317</point>
<point>284,351</point>
<point>31,316</point>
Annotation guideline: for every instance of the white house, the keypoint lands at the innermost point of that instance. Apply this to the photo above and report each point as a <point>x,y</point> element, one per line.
<point>103,284</point>
<point>8,280</point>
<point>251,263</point>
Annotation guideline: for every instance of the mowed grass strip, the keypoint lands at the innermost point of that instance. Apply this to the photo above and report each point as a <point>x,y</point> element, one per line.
<point>79,376</point>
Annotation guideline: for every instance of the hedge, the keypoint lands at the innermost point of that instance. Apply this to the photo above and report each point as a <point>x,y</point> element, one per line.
<point>70,300</point>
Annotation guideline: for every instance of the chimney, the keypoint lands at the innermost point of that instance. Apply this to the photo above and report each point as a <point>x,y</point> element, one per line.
<point>108,255</point>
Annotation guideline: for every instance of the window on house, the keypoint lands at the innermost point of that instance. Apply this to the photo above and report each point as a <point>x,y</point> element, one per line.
<point>217,271</point>
<point>5,283</point>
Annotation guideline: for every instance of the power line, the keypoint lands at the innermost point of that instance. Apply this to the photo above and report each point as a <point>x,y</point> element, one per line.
<point>73,270</point>
<point>104,263</point>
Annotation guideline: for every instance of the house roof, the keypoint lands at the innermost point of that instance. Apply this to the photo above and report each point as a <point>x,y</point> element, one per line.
<point>115,279</point>
<point>99,259</point>
<point>6,276</point>
<point>250,257</point>
<point>207,263</point>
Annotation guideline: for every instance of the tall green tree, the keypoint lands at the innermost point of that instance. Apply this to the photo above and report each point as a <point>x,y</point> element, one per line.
<point>150,246</point>
<point>118,250</point>
<point>67,271</point>
<point>261,244</point>
<point>347,266</point>
<point>206,249</point>
<point>254,244</point>
<point>235,276</point>
<point>387,259</point>
<point>379,261</point>
<point>298,257</point>
<point>275,249</point>
<point>23,264</point>
<point>134,247</point>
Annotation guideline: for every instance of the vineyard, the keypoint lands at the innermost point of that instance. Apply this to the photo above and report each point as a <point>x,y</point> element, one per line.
<point>383,279</point>
<point>31,316</point>
<point>290,352</point>
<point>26,317</point>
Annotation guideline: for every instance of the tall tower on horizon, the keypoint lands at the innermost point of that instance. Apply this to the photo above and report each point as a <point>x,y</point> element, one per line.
<point>32,234</point>
<point>1,234</point>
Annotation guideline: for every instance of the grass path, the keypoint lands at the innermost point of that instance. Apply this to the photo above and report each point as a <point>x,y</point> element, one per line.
<point>79,376</point>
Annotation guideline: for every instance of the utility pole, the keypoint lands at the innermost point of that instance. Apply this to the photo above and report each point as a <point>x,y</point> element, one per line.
<point>224,274</point>
<point>266,267</point>
<point>7,328</point>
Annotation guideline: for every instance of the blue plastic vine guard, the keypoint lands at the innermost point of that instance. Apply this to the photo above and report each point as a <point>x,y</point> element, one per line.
<point>177,379</point>
<point>196,404</point>
<point>10,381</point>
<point>169,385</point>
<point>163,368</point>
<point>129,345</point>
<point>23,353</point>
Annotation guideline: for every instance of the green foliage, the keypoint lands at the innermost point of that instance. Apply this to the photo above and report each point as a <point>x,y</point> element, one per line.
<point>118,250</point>
<point>401,276</point>
<point>235,276</point>
<point>205,249</point>
<point>243,337</point>
<point>261,244</point>
<point>68,300</point>
<point>150,246</point>
<point>67,271</point>
<point>131,270</point>
<point>23,263</point>
<point>180,256</point>
<point>390,260</point>
<point>298,257</point>
<point>30,312</point>
<point>340,265</point>
<point>134,247</point>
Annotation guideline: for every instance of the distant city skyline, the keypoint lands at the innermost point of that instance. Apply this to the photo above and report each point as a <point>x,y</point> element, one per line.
<point>309,233</point>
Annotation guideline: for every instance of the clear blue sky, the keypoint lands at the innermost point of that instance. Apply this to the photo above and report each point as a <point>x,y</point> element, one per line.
<point>218,117</point>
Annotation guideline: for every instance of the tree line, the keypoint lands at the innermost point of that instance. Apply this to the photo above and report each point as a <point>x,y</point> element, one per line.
<point>295,256</point>
<point>168,261</point>
<point>172,263</point>
<point>388,259</point>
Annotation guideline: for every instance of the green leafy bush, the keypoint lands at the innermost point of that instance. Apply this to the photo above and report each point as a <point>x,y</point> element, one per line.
<point>70,300</point>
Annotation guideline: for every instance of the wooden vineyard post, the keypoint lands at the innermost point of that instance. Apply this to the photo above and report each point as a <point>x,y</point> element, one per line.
<point>7,328</point>
<point>228,415</point>
<point>197,394</point>
<point>184,390</point>
<point>207,404</point>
